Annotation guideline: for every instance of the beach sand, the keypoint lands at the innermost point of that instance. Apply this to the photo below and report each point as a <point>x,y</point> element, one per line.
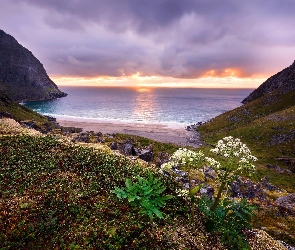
<point>158,132</point>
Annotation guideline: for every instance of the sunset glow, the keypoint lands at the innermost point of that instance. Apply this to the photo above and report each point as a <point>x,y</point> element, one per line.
<point>168,43</point>
<point>153,81</point>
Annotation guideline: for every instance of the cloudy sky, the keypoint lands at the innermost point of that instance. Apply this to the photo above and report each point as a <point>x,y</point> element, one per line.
<point>196,43</point>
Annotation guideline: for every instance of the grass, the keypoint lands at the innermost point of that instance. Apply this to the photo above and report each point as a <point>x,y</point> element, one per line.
<point>144,142</point>
<point>18,111</point>
<point>266,125</point>
<point>58,194</point>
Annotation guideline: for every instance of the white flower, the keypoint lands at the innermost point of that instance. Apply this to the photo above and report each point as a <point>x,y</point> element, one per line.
<point>182,192</point>
<point>213,163</point>
<point>187,157</point>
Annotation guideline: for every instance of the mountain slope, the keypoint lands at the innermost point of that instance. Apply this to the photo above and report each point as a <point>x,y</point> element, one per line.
<point>17,111</point>
<point>22,76</point>
<point>283,81</point>
<point>265,124</point>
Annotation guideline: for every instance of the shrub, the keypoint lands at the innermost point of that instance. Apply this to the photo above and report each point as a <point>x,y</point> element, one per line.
<point>229,218</point>
<point>146,194</point>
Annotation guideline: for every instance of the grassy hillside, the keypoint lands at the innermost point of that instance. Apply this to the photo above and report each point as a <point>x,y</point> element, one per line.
<point>18,111</point>
<point>267,126</point>
<point>58,195</point>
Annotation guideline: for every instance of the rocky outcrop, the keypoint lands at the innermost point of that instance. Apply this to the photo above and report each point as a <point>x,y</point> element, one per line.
<point>284,82</point>
<point>245,188</point>
<point>286,204</point>
<point>22,76</point>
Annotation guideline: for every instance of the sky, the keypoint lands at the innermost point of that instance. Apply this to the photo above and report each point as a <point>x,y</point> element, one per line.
<point>170,43</point>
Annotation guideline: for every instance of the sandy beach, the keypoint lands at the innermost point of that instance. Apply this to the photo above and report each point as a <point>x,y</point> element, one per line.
<point>158,132</point>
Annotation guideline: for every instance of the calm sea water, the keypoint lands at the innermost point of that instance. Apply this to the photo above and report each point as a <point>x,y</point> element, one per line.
<point>178,106</point>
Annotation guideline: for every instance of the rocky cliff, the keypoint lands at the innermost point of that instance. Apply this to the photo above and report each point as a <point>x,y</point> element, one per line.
<point>283,81</point>
<point>22,76</point>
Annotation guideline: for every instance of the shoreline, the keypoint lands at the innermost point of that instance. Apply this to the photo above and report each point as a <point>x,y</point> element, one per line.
<point>157,132</point>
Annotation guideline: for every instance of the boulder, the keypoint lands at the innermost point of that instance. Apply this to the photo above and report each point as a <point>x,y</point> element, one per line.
<point>286,204</point>
<point>127,148</point>
<point>163,157</point>
<point>210,173</point>
<point>147,154</point>
<point>275,168</point>
<point>245,188</point>
<point>207,190</point>
<point>83,137</point>
<point>267,185</point>
<point>114,145</point>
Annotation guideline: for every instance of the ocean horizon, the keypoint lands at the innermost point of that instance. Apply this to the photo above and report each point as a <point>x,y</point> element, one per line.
<point>169,106</point>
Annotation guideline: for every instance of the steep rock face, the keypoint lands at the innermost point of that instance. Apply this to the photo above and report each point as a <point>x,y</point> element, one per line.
<point>22,76</point>
<point>284,82</point>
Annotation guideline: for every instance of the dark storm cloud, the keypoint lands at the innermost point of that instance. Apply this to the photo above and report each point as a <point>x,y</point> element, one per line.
<point>178,38</point>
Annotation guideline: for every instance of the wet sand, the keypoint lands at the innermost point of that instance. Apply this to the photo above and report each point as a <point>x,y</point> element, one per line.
<point>158,132</point>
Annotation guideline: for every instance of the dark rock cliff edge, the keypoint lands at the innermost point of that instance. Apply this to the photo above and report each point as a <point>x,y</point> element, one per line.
<point>22,76</point>
<point>283,81</point>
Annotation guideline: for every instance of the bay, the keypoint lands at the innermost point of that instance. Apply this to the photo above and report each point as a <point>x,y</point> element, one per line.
<point>178,106</point>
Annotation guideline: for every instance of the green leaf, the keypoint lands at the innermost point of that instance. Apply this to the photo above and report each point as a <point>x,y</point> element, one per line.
<point>195,190</point>
<point>158,213</point>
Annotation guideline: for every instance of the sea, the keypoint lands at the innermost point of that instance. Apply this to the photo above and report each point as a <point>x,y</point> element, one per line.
<point>169,106</point>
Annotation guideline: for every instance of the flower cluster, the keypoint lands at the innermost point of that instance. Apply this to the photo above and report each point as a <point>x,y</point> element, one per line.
<point>230,147</point>
<point>166,166</point>
<point>213,163</point>
<point>182,192</point>
<point>186,157</point>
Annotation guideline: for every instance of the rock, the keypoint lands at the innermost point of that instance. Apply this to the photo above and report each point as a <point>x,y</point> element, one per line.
<point>31,125</point>
<point>290,162</point>
<point>6,115</point>
<point>147,154</point>
<point>162,158</point>
<point>286,245</point>
<point>210,173</point>
<point>127,148</point>
<point>22,76</point>
<point>267,185</point>
<point>50,118</point>
<point>275,168</point>
<point>286,204</point>
<point>89,137</point>
<point>208,191</point>
<point>179,172</point>
<point>114,145</point>
<point>245,188</point>
<point>83,137</point>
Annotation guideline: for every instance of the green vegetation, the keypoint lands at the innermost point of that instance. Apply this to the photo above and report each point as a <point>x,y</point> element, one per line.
<point>224,216</point>
<point>58,194</point>
<point>229,219</point>
<point>144,142</point>
<point>266,125</point>
<point>18,111</point>
<point>147,194</point>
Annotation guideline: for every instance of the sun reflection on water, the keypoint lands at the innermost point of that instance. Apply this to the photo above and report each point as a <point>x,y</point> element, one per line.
<point>145,106</point>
